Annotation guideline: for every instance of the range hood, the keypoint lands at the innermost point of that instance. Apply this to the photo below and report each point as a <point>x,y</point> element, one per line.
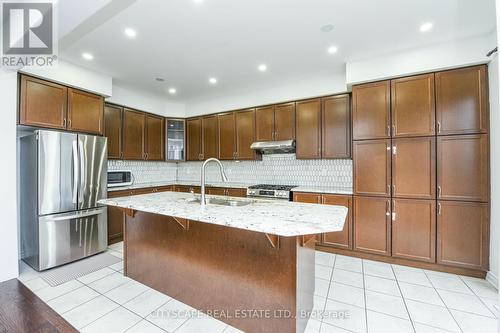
<point>274,147</point>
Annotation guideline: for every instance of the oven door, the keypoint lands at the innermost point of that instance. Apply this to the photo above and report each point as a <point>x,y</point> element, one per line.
<point>71,236</point>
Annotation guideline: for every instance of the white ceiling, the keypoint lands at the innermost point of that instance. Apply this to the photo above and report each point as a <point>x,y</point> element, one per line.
<point>187,42</point>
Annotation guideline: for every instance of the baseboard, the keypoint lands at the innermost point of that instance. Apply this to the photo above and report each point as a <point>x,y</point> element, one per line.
<point>405,262</point>
<point>492,278</point>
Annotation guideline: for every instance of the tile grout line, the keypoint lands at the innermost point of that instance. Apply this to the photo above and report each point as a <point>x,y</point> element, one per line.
<point>402,296</point>
<point>473,294</point>
<point>442,300</point>
<point>327,292</point>
<point>364,294</point>
<point>480,299</point>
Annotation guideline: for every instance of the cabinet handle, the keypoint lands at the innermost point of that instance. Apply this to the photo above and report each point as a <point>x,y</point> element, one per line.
<point>394,150</point>
<point>275,135</point>
<point>388,208</point>
<point>439,191</point>
<point>439,208</point>
<point>439,126</point>
<point>64,122</point>
<point>389,189</point>
<point>393,189</point>
<point>388,130</point>
<point>393,129</point>
<point>393,211</point>
<point>69,123</point>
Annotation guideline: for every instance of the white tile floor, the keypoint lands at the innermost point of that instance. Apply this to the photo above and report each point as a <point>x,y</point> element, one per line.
<point>352,295</point>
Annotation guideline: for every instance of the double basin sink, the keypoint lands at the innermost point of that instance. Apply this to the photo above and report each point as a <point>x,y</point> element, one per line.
<point>223,201</point>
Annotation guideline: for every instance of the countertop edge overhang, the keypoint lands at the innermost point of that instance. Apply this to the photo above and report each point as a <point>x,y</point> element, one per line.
<point>274,217</point>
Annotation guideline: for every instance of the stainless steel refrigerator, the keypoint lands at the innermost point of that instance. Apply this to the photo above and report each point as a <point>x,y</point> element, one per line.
<point>62,176</point>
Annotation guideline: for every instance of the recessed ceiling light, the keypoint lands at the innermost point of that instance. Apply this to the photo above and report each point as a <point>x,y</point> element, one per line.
<point>212,80</point>
<point>160,79</point>
<point>332,49</point>
<point>87,56</point>
<point>262,67</point>
<point>427,26</point>
<point>129,32</point>
<point>327,28</point>
<point>172,91</point>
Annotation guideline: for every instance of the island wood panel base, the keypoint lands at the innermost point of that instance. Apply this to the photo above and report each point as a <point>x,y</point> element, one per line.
<point>216,268</point>
<point>406,262</point>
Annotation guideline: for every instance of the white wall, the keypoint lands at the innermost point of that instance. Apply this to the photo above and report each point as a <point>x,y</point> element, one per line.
<point>299,88</point>
<point>8,190</point>
<point>436,57</point>
<point>75,76</point>
<point>145,101</point>
<point>493,73</point>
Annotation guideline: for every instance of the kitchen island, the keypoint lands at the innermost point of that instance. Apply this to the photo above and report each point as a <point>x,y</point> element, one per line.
<point>247,262</point>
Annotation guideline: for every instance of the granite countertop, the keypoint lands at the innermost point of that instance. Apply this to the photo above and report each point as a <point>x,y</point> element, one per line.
<point>276,217</point>
<point>324,189</point>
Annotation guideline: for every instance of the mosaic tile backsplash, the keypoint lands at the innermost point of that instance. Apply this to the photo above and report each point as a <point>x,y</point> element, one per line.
<point>273,169</point>
<point>146,172</point>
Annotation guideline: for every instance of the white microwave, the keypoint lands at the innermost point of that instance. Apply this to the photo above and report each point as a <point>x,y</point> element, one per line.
<point>117,178</point>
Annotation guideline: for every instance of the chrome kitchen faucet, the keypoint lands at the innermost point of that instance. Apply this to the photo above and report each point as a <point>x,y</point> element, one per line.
<point>222,173</point>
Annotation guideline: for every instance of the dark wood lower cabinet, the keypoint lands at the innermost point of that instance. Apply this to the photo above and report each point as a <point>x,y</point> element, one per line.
<point>414,229</point>
<point>372,225</point>
<point>342,238</point>
<point>463,234</point>
<point>115,225</point>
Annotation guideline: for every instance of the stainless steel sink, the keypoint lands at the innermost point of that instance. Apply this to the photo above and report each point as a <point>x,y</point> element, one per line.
<point>224,202</point>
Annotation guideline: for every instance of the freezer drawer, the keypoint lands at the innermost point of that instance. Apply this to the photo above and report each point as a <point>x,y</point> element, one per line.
<point>71,236</point>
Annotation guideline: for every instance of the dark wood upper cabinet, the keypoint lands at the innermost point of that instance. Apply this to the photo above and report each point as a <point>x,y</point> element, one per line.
<point>372,225</point>
<point>264,123</point>
<point>308,129</point>
<point>85,112</point>
<point>227,134</point>
<point>462,101</point>
<point>414,229</point>
<point>284,121</point>
<point>413,111</point>
<point>193,136</point>
<point>209,137</point>
<point>463,234</point>
<point>371,110</point>
<point>342,239</point>
<point>463,167</point>
<point>42,103</point>
<point>275,122</point>
<point>245,134</point>
<point>113,130</point>
<point>336,127</point>
<point>372,167</point>
<point>414,168</point>
<point>155,138</point>
<point>134,125</point>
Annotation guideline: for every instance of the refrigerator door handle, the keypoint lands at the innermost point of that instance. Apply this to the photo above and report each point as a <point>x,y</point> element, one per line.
<point>76,171</point>
<point>76,215</point>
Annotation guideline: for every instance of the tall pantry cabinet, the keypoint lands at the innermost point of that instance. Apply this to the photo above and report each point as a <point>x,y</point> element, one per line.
<point>421,168</point>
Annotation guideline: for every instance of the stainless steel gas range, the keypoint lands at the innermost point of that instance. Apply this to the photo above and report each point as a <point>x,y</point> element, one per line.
<point>283,192</point>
